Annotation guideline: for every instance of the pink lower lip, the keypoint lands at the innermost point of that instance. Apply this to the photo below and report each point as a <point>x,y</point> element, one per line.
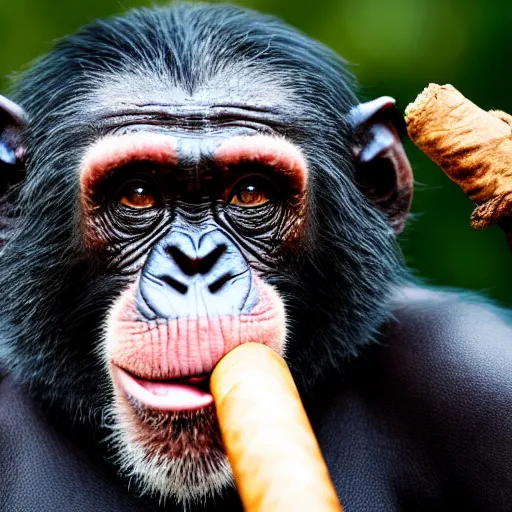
<point>178,395</point>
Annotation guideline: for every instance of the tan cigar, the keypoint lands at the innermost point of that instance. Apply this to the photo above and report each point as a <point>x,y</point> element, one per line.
<point>472,146</point>
<point>276,460</point>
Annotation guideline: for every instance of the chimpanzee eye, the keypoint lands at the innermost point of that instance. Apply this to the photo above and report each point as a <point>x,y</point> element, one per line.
<point>251,192</point>
<point>137,194</point>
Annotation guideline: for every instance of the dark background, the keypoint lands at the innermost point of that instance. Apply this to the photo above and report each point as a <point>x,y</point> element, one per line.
<point>397,47</point>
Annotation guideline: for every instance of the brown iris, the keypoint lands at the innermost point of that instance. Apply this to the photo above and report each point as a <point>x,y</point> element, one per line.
<point>249,194</point>
<point>138,195</point>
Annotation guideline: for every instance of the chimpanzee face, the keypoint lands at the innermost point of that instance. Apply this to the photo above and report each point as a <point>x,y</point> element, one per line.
<point>192,221</point>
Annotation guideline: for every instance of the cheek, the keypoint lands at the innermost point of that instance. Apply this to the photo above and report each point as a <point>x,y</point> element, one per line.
<point>166,349</point>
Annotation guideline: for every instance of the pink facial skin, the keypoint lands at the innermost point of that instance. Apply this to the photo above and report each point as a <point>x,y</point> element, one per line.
<point>277,153</point>
<point>188,347</point>
<point>115,151</point>
<point>142,353</point>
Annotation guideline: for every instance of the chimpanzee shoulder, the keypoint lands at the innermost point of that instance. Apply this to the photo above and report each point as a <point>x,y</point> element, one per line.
<point>424,418</point>
<point>44,466</point>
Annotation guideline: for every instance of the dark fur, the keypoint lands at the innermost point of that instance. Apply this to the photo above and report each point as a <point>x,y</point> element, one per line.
<point>54,297</point>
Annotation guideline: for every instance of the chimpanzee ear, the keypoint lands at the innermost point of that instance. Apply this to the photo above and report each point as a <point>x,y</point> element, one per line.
<point>12,151</point>
<point>383,171</point>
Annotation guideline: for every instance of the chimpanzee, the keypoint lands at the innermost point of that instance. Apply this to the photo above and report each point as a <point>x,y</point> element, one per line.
<point>184,179</point>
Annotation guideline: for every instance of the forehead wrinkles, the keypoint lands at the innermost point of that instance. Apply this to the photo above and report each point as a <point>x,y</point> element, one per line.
<point>233,84</point>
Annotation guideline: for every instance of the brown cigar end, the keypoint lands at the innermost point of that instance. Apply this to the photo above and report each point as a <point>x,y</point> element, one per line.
<point>473,147</point>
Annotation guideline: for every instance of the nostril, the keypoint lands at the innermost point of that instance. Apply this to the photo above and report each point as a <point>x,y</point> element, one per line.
<point>207,263</point>
<point>192,266</point>
<point>217,285</point>
<point>179,287</point>
<point>186,264</point>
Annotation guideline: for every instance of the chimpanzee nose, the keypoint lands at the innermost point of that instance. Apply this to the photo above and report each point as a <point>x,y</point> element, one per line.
<point>195,274</point>
<point>191,264</point>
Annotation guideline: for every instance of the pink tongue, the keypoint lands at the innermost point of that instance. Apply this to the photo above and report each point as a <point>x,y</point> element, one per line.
<point>178,395</point>
<point>170,388</point>
<point>165,396</point>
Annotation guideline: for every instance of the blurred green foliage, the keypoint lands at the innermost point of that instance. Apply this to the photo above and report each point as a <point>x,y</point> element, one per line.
<point>397,47</point>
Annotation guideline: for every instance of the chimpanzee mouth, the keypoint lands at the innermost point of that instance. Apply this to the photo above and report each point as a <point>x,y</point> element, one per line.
<point>185,394</point>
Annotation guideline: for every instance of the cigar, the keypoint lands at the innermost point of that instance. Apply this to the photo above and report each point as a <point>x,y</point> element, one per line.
<point>473,147</point>
<point>275,457</point>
